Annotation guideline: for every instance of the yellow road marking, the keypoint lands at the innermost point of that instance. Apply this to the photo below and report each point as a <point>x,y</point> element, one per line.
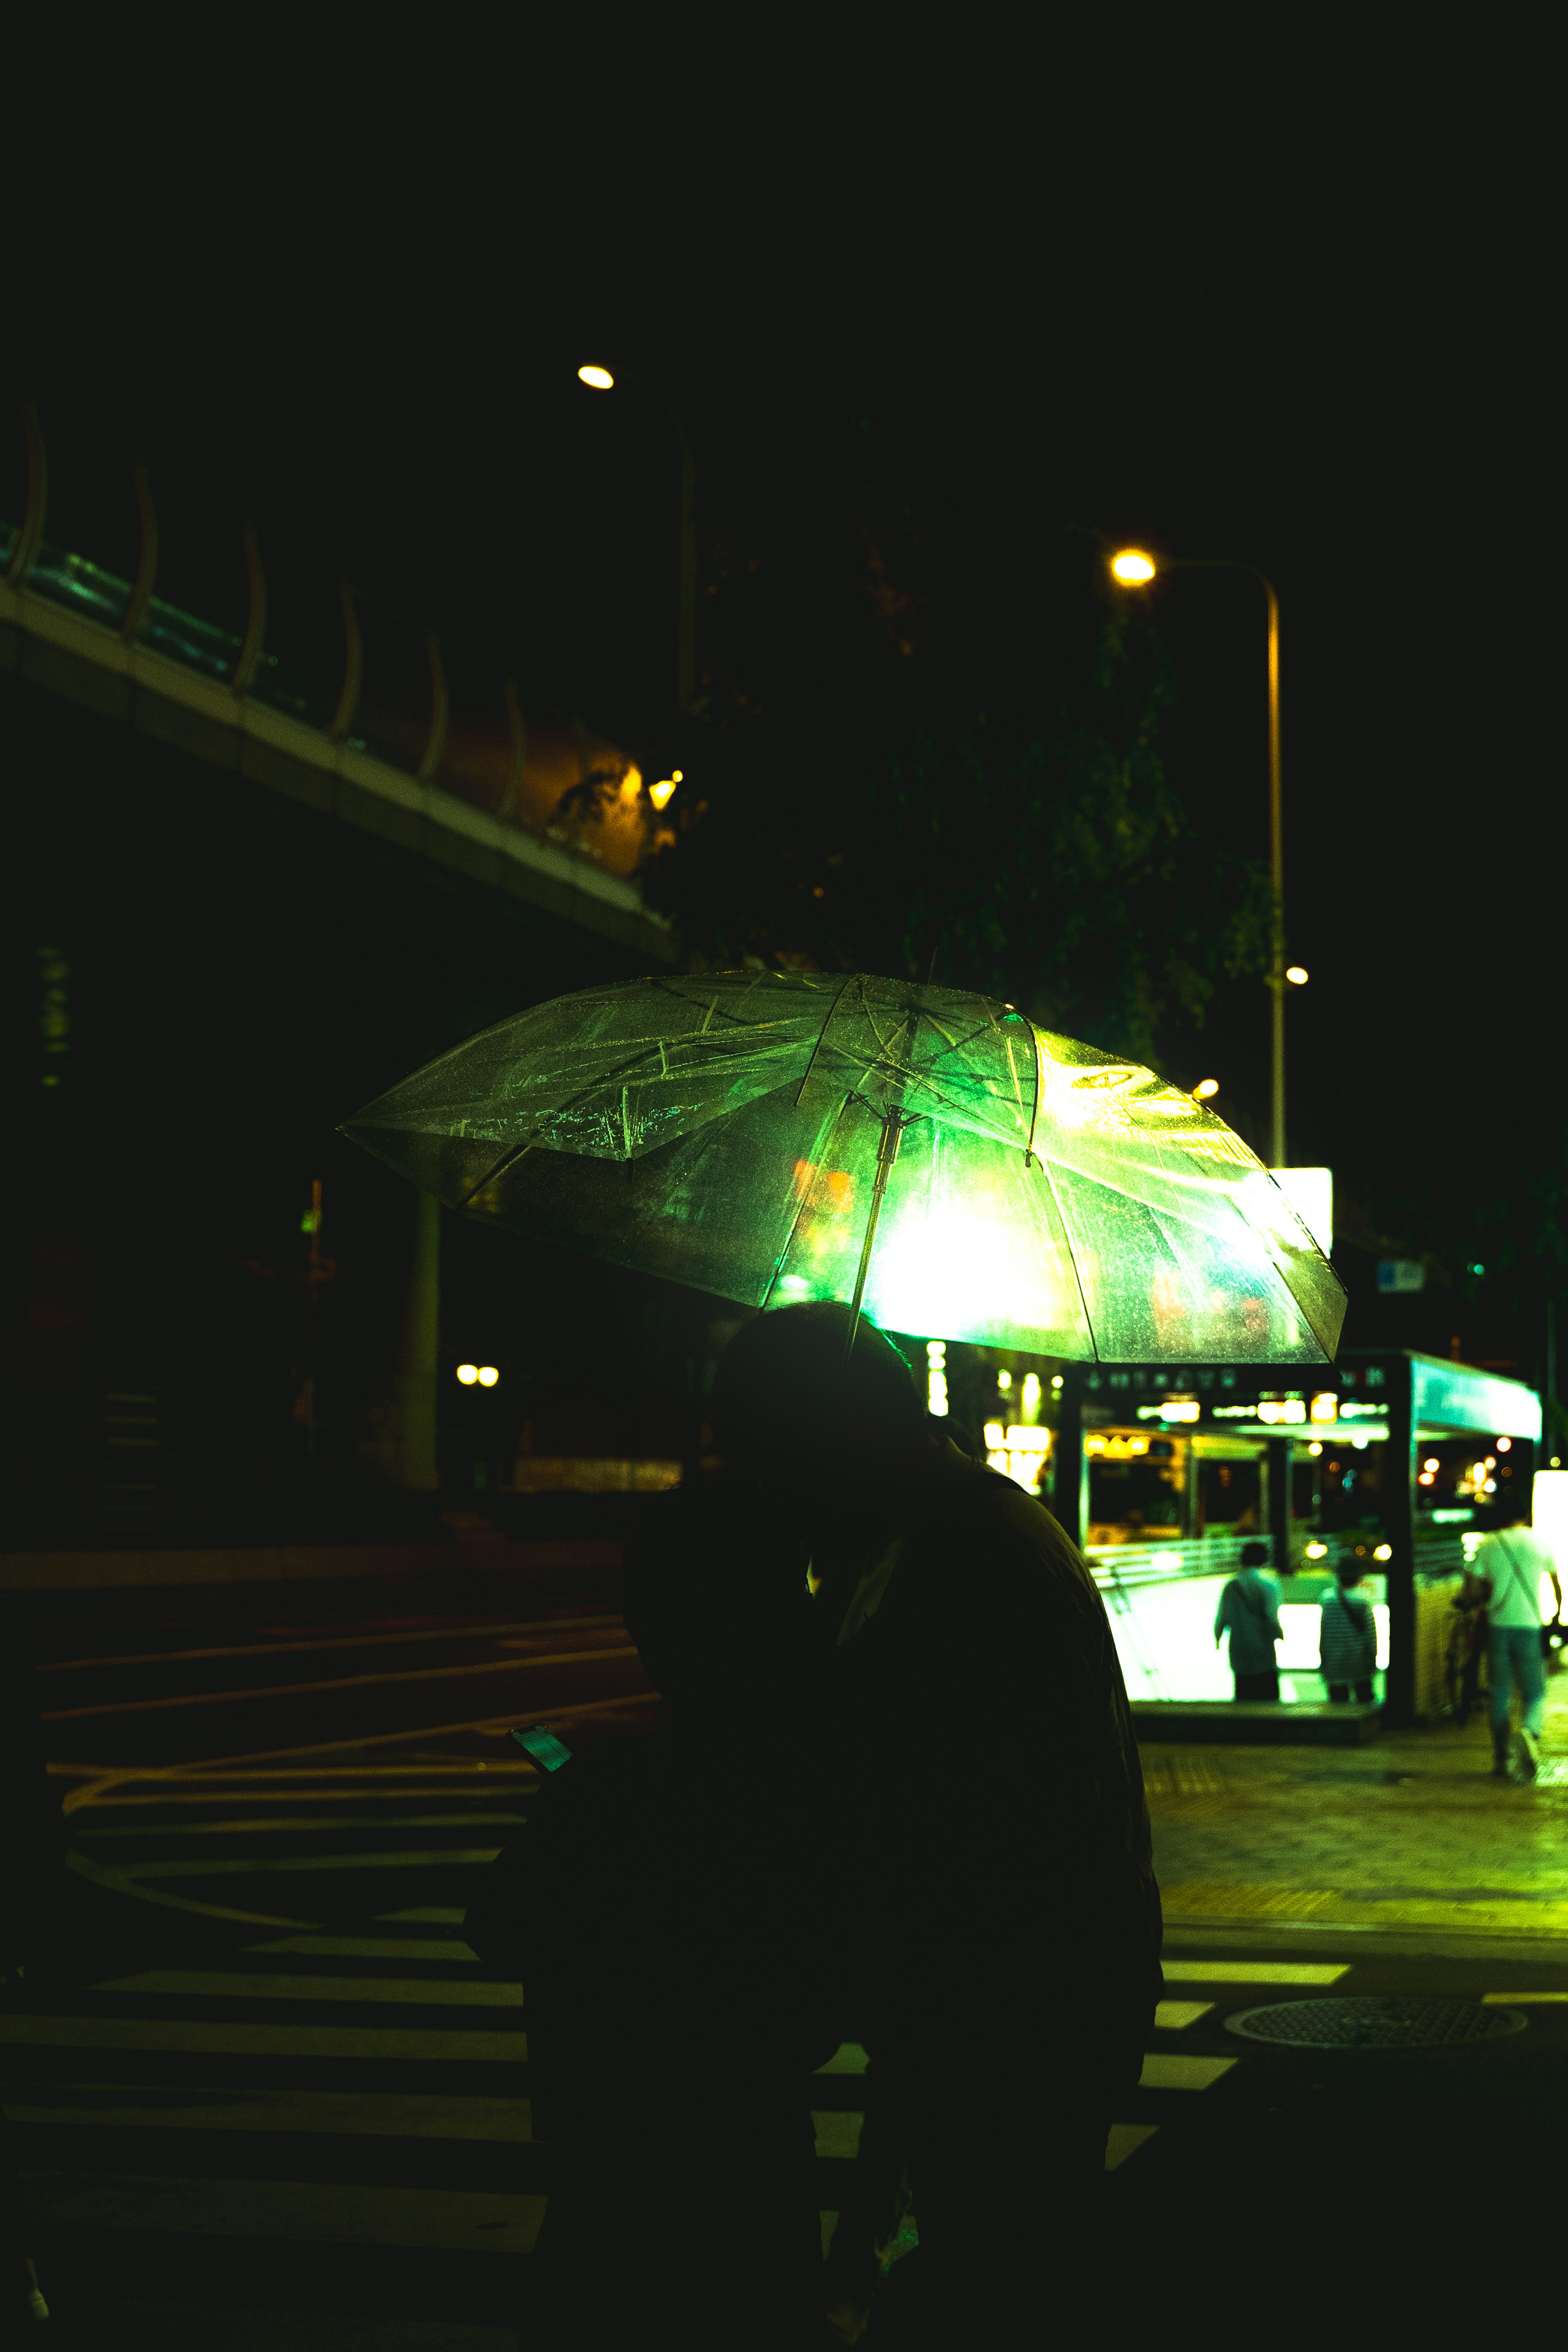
<point>1124,2140</point>
<point>99,1777</point>
<point>123,1881</point>
<point>838,2131</point>
<point>322,1787</point>
<point>1519,1999</point>
<point>1164,2072</point>
<point>1173,2015</point>
<point>290,1864</point>
<point>1312,1972</point>
<point>372,1948</point>
<point>248,2040</point>
<point>312,1826</point>
<point>495,1727</point>
<point>315,2211</point>
<point>1218,1900</point>
<point>442,1993</point>
<point>382,2114</point>
<point>333,1682</point>
<point>175,1777</point>
<point>478,1633</point>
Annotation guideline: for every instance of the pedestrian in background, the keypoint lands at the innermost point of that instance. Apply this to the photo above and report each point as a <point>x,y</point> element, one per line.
<point>1347,1637</point>
<point>1505,1573</point>
<point>1250,1610</point>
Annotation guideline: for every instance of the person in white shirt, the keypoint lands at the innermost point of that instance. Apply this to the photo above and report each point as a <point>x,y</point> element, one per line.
<point>1509,1565</point>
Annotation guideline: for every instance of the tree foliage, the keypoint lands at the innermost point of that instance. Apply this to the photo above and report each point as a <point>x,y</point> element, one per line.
<point>954,793</point>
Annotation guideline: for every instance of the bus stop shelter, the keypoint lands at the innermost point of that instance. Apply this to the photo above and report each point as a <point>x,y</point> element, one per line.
<point>1400,1458</point>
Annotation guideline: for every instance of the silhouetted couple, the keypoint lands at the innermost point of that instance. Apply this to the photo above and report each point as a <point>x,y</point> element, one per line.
<point>895,1800</point>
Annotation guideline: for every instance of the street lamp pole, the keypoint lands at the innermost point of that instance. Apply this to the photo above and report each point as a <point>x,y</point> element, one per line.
<point>1132,569</point>
<point>602,379</point>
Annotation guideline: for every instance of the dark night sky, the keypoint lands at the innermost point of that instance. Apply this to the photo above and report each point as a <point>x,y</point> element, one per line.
<point>1278,288</point>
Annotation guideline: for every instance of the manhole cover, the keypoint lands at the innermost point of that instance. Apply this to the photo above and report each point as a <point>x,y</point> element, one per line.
<point>1373,2021</point>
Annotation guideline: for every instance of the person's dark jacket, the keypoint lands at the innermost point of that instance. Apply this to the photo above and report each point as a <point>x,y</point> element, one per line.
<point>993,1832</point>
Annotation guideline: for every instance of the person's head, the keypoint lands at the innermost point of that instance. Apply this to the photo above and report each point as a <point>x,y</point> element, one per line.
<point>1255,1555</point>
<point>791,1410</point>
<point>1510,1505</point>
<point>1349,1570</point>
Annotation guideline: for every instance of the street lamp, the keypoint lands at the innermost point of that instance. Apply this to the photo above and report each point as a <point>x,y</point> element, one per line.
<point>604,379</point>
<point>1132,568</point>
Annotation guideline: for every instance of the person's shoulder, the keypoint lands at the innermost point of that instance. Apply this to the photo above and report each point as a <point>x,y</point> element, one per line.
<point>1004,1530</point>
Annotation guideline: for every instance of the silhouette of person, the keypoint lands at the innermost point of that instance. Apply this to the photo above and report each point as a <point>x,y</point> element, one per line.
<point>983,1866</point>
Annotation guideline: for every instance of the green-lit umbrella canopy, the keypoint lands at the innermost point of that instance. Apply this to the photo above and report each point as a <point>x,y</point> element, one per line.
<point>773,1138</point>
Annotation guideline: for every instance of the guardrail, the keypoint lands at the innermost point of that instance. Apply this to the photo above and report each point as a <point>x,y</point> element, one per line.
<point>1121,1567</point>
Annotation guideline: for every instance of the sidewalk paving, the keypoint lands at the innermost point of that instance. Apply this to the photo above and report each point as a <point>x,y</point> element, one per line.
<point>1410,1835</point>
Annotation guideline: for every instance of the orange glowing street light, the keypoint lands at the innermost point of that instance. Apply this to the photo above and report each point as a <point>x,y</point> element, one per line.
<point>1131,567</point>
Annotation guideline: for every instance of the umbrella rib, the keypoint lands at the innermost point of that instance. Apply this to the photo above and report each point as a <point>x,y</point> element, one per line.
<point>521,1151</point>
<point>779,1263</point>
<point>1072,1255</point>
<point>827,1021</point>
<point>1035,1114</point>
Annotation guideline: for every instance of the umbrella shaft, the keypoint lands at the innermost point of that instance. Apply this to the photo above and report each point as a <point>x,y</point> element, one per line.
<point>887,1153</point>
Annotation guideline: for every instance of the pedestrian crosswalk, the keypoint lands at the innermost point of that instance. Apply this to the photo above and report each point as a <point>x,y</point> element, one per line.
<point>352,2090</point>
<point>359,2080</point>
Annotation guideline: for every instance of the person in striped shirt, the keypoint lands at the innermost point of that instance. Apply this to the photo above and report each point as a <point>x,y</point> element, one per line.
<point>1347,1636</point>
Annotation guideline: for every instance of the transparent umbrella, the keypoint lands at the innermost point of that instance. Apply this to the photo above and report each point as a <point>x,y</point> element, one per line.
<point>931,1157</point>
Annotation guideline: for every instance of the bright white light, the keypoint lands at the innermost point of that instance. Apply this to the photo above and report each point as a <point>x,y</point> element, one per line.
<point>1317,1551</point>
<point>1382,1552</point>
<point>1004,1382</point>
<point>1205,1088</point>
<point>1056,1381</point>
<point>467,1374</point>
<point>1296,975</point>
<point>936,1352</point>
<point>1024,1438</point>
<point>1326,1407</point>
<point>597,379</point>
<point>1031,1390</point>
<point>661,793</point>
<point>1431,1463</point>
<point>995,1436</point>
<point>1316,1446</point>
<point>488,1376</point>
<point>1505,1445</point>
<point>1311,1192</point>
<point>1132,568</point>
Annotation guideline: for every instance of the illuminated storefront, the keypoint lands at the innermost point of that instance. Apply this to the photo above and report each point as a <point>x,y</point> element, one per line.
<point>1165,1474</point>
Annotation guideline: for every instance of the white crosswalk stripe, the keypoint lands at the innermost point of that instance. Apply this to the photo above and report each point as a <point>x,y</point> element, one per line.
<point>134,2073</point>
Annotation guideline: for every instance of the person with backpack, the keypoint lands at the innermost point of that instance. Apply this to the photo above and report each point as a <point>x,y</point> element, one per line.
<point>1506,1573</point>
<point>1250,1607</point>
<point>1347,1636</point>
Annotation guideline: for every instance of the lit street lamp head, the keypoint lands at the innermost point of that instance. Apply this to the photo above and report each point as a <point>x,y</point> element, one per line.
<point>1132,568</point>
<point>1204,1089</point>
<point>1296,975</point>
<point>598,379</point>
